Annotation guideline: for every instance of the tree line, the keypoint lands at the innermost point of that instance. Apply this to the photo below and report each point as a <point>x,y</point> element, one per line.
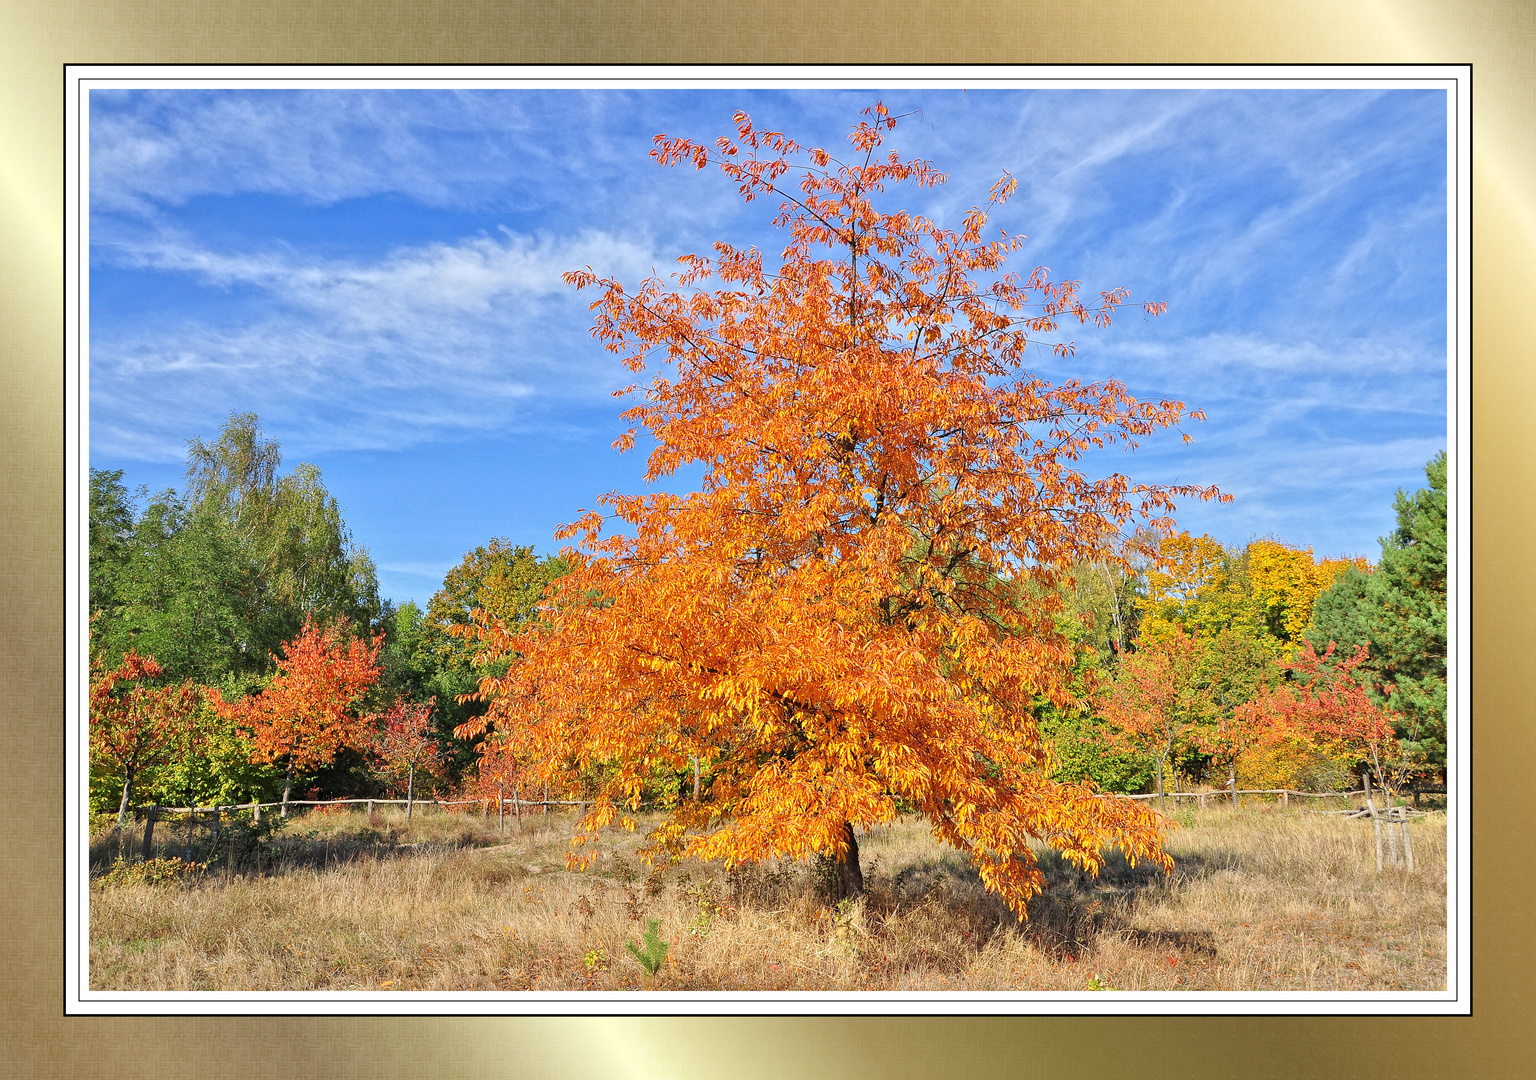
<point>1185,659</point>
<point>1214,663</point>
<point>238,643</point>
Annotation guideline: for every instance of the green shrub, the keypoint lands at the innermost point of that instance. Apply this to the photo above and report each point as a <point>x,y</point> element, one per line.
<point>150,872</point>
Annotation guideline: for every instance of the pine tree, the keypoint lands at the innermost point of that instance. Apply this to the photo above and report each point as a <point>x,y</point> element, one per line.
<point>1399,610</point>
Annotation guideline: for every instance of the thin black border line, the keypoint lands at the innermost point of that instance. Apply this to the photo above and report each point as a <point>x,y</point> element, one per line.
<point>1454,122</point>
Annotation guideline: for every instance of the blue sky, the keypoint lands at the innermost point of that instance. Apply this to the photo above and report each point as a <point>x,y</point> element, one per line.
<point>376,274</point>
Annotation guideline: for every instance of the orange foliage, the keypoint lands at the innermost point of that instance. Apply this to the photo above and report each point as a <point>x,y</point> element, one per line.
<point>134,725</point>
<point>1288,759</point>
<point>306,714</point>
<point>1156,703</point>
<point>1331,709</point>
<point>858,610</point>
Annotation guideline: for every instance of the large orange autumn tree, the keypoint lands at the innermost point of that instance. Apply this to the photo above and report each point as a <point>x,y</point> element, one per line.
<point>857,612</point>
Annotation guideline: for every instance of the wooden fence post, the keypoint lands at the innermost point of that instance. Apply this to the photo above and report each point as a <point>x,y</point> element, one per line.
<point>546,798</point>
<point>501,807</point>
<point>517,804</point>
<point>1391,834</point>
<point>1407,843</point>
<point>1370,805</point>
<point>149,831</point>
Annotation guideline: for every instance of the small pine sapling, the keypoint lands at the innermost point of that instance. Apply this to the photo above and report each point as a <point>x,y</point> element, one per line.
<point>655,952</point>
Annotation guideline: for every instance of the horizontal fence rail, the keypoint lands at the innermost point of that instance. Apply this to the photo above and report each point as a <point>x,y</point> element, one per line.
<point>370,802</point>
<point>1218,794</point>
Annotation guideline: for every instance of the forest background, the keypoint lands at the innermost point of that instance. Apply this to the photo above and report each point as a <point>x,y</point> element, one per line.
<point>223,579</point>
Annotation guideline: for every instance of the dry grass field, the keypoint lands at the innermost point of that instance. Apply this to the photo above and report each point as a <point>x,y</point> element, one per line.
<point>1262,899</point>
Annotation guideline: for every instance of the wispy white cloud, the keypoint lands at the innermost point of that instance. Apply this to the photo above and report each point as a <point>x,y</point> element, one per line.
<point>435,342</point>
<point>316,145</point>
<point>470,277</point>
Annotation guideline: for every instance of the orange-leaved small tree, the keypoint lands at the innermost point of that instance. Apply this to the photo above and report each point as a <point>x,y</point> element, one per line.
<point>403,743</point>
<point>1156,704</point>
<point>136,725</point>
<point>308,711</point>
<point>498,772</point>
<point>858,610</point>
<point>1329,705</point>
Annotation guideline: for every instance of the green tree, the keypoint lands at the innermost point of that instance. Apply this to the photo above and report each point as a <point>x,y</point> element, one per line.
<point>213,579</point>
<point>180,594</point>
<point>427,654</point>
<point>289,530</point>
<point>110,534</point>
<point>1105,599</point>
<point>1399,611</point>
<point>1084,748</point>
<point>503,579</point>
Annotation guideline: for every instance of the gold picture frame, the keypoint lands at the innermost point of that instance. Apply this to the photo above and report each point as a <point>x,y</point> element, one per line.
<point>39,42</point>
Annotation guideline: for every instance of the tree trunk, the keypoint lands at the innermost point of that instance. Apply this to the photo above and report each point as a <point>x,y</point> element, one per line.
<point>287,788</point>
<point>1159,783</point>
<point>850,878</point>
<point>122,807</point>
<point>410,792</point>
<point>1232,781</point>
<point>695,777</point>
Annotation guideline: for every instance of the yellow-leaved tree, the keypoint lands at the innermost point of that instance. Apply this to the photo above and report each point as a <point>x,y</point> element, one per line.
<point>858,611</point>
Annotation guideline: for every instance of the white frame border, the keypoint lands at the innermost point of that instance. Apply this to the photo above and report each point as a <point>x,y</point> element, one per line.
<point>1455,1000</point>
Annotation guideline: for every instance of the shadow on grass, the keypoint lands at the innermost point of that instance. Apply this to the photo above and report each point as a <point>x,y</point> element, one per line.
<point>1075,909</point>
<point>275,847</point>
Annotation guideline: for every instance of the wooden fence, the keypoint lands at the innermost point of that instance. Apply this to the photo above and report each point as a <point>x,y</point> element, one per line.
<point>1235,797</point>
<point>213,816</point>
